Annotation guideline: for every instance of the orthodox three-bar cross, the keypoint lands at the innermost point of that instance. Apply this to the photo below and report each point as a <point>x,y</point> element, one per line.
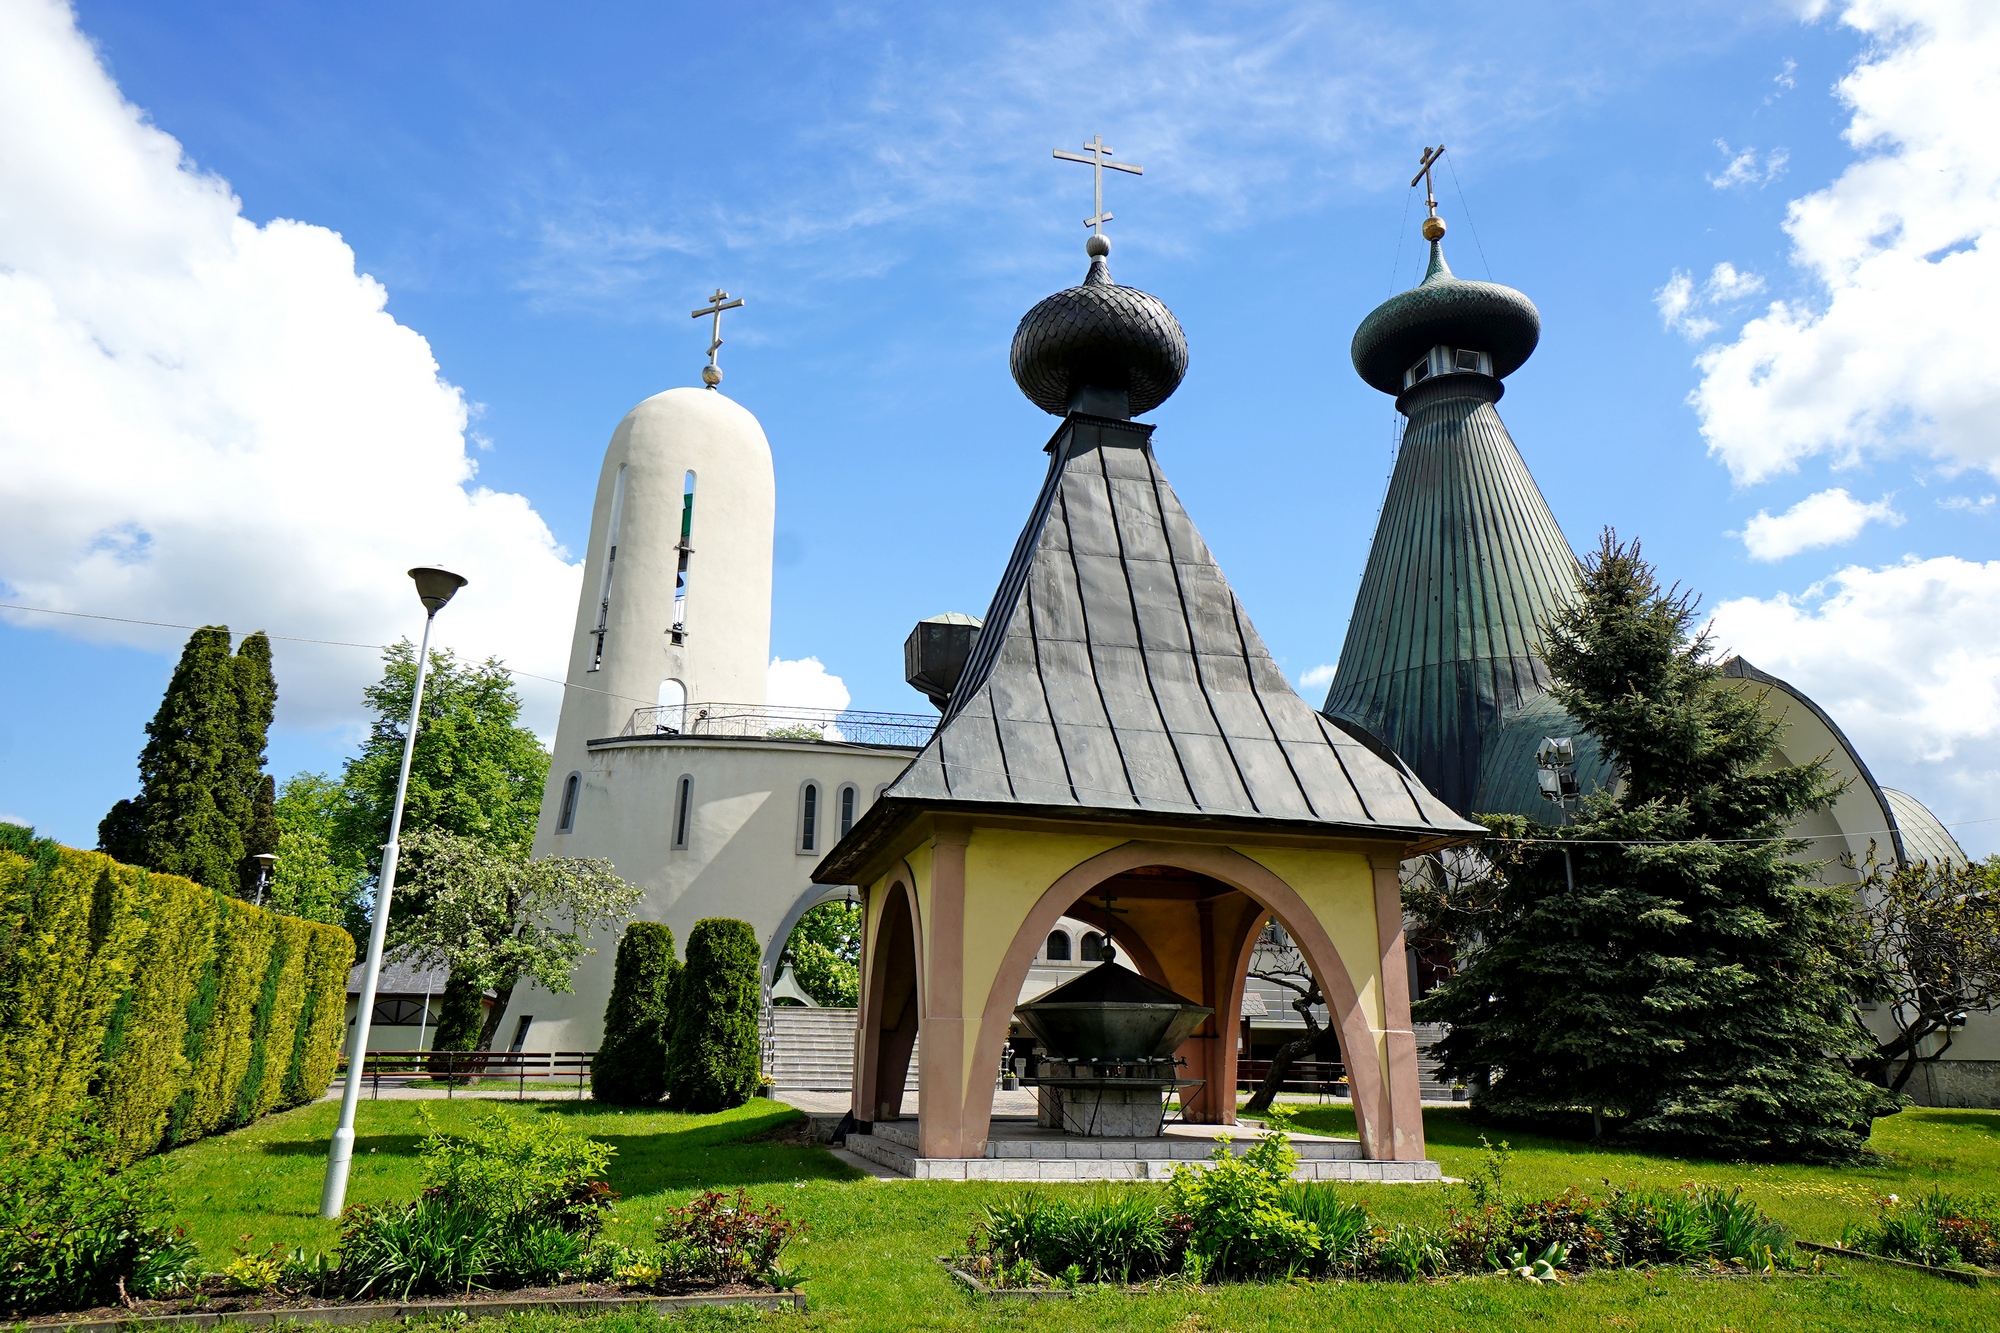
<point>716,305</point>
<point>1427,164</point>
<point>1097,154</point>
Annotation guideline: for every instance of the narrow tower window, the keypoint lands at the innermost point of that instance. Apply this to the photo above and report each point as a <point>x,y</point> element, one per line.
<point>1058,946</point>
<point>847,798</point>
<point>678,634</point>
<point>808,817</point>
<point>683,808</point>
<point>572,788</point>
<point>610,564</point>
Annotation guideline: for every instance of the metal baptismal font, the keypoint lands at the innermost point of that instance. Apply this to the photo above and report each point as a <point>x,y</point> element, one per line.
<point>1107,1044</point>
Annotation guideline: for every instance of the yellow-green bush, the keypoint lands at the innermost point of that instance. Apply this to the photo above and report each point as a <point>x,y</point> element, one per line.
<point>156,1007</point>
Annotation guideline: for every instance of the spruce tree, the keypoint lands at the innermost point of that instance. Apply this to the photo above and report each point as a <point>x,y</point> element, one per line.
<point>714,1061</point>
<point>631,1064</point>
<point>1667,962</point>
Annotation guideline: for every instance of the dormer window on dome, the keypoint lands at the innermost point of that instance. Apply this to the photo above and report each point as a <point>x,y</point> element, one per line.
<point>1442,360</point>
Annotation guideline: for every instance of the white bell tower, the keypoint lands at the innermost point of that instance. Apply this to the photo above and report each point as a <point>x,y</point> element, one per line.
<point>676,600</point>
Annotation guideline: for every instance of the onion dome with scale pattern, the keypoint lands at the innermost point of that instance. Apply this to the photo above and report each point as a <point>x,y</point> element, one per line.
<point>1117,341</point>
<point>1445,310</point>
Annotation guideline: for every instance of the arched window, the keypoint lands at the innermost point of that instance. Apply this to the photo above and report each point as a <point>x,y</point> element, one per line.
<point>572,789</point>
<point>683,810</point>
<point>1058,946</point>
<point>672,708</point>
<point>1093,947</point>
<point>880,787</point>
<point>808,818</point>
<point>678,632</point>
<point>849,797</point>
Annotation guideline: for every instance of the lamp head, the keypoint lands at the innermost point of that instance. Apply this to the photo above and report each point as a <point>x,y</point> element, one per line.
<point>268,858</point>
<point>435,586</point>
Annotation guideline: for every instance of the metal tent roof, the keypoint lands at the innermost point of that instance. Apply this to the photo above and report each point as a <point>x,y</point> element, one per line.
<point>1117,672</point>
<point>1466,565</point>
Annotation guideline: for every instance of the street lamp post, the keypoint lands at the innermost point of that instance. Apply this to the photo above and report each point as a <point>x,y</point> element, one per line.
<point>265,861</point>
<point>434,588</point>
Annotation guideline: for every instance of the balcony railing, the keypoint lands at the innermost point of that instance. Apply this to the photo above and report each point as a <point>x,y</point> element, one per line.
<point>772,722</point>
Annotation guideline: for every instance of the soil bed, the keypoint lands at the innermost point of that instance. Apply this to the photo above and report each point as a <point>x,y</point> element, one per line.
<point>220,1305</point>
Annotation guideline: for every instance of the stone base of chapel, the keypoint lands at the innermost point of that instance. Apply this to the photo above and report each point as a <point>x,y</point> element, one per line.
<point>1019,1149</point>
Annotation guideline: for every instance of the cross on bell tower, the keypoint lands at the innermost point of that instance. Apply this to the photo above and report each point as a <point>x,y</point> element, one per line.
<point>1433,225</point>
<point>1097,154</point>
<point>711,374</point>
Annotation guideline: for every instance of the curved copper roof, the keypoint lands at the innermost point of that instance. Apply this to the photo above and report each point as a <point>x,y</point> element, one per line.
<point>1466,566</point>
<point>1445,308</point>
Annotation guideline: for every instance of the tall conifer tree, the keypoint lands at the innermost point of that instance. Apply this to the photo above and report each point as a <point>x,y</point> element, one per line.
<point>182,821</point>
<point>250,791</point>
<point>1692,984</point>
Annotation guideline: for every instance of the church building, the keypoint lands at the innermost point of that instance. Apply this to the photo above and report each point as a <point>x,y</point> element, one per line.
<point>1112,732</point>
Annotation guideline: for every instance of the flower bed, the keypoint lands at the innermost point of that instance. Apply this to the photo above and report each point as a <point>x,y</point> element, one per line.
<point>1245,1219</point>
<point>516,1205</point>
<point>1936,1228</point>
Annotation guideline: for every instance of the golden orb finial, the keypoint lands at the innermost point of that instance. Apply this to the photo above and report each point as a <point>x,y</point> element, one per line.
<point>1433,228</point>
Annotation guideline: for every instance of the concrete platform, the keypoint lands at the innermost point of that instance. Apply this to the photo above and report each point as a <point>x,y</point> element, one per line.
<point>1017,1149</point>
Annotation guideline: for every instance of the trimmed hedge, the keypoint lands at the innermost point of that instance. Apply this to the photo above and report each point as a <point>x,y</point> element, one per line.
<point>631,1064</point>
<point>714,1061</point>
<point>156,1008</point>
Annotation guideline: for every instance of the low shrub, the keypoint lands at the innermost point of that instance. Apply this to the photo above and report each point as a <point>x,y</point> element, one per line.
<point>425,1247</point>
<point>1936,1227</point>
<point>77,1232</point>
<point>1111,1235</point>
<point>521,1169</point>
<point>717,1240</point>
<point>513,1201</point>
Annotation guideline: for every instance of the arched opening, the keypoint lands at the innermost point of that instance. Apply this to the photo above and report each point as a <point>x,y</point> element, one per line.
<point>891,1010</point>
<point>1093,947</point>
<point>1058,947</point>
<point>671,711</point>
<point>1198,912</point>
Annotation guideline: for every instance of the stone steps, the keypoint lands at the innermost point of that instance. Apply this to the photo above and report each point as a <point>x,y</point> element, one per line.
<point>812,1050</point>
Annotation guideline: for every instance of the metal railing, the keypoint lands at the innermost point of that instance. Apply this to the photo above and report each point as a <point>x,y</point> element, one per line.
<point>461,1068</point>
<point>774,722</point>
<point>1326,1077</point>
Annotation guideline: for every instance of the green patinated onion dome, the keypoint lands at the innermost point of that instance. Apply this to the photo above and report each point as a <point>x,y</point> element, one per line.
<point>1445,310</point>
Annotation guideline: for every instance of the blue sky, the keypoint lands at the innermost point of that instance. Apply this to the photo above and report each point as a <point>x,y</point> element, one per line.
<point>542,194</point>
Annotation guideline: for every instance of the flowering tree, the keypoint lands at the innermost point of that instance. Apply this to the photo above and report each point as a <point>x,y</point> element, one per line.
<point>495,916</point>
<point>1933,934</point>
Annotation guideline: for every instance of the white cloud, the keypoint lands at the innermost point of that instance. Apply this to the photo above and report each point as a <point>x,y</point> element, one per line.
<point>1906,659</point>
<point>805,683</point>
<point>1680,301</point>
<point>1904,250</point>
<point>1743,168</point>
<point>1785,76</point>
<point>210,420</point>
<point>1829,518</point>
<point>1983,505</point>
<point>1319,678</point>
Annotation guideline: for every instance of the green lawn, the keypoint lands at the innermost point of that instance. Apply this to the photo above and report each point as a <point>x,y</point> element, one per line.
<point>869,1247</point>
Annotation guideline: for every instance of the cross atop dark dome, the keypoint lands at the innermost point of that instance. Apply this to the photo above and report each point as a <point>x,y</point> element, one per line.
<point>1099,348</point>
<point>1448,311</point>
